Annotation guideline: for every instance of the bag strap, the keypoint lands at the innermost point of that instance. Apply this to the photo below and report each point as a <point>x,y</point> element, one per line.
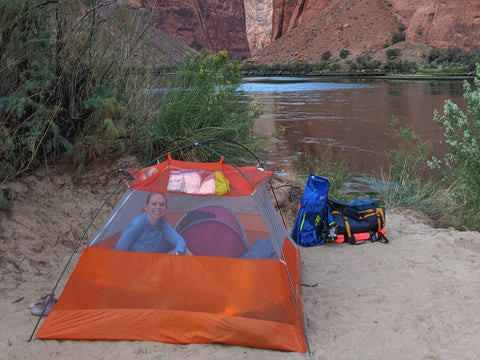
<point>350,236</point>
<point>378,236</point>
<point>382,238</point>
<point>380,218</point>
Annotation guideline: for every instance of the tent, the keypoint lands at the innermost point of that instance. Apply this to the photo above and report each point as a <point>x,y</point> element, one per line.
<point>241,286</point>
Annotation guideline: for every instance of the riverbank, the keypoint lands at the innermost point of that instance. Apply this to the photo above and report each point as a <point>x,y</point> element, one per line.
<point>414,298</point>
<point>363,67</point>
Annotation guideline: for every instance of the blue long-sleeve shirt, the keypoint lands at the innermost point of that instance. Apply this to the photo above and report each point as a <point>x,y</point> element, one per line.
<point>141,236</point>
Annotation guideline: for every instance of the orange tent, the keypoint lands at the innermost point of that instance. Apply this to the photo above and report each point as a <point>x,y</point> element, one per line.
<point>240,287</point>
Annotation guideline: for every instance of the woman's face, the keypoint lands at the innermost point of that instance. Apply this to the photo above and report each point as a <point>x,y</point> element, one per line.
<point>156,207</point>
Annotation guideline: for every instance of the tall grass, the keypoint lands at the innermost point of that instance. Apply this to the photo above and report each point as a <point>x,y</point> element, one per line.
<point>328,166</point>
<point>405,183</point>
<point>431,198</point>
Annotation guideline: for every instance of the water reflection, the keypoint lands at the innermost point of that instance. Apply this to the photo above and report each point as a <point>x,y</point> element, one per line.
<point>349,116</point>
<point>264,85</point>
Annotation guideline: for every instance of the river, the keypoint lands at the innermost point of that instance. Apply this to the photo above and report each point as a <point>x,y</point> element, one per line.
<point>348,116</point>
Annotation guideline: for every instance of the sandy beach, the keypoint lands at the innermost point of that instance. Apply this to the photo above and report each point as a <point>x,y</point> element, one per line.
<point>414,298</point>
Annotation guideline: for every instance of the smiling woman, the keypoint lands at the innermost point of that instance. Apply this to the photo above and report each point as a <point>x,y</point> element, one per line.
<point>150,231</point>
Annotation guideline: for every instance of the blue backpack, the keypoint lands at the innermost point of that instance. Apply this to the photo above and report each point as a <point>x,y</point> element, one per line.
<point>314,218</point>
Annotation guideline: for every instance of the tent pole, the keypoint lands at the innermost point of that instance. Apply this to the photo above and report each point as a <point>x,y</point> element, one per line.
<point>300,315</point>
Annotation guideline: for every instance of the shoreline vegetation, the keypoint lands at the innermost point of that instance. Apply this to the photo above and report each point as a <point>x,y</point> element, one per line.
<point>311,70</point>
<point>436,62</point>
<point>76,94</point>
<point>438,74</point>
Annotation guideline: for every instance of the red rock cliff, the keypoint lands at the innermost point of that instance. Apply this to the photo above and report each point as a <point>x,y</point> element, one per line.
<point>202,24</point>
<point>441,23</point>
<point>303,30</point>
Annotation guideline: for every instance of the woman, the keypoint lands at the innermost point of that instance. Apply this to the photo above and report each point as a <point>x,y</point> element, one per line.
<point>150,231</point>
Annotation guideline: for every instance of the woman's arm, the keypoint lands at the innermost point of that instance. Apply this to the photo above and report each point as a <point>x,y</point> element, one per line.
<point>174,238</point>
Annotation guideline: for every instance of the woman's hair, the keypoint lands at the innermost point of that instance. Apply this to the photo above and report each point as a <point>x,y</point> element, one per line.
<point>152,193</point>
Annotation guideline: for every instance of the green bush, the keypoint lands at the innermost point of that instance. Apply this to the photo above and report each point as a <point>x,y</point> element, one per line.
<point>27,83</point>
<point>66,85</point>
<point>461,165</point>
<point>399,36</point>
<point>454,57</point>
<point>364,63</point>
<point>344,53</point>
<point>392,54</point>
<point>334,66</point>
<point>204,101</point>
<point>400,66</point>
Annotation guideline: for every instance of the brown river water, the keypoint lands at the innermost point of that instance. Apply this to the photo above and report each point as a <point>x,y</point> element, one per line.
<point>348,117</point>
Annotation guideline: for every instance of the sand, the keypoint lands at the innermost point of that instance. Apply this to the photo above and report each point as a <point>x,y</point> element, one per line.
<point>417,297</point>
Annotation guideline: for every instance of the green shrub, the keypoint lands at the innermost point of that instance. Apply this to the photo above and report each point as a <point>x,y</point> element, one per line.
<point>399,36</point>
<point>344,54</point>
<point>392,54</point>
<point>364,63</point>
<point>27,79</point>
<point>204,101</point>
<point>401,185</point>
<point>50,103</point>
<point>326,55</point>
<point>400,66</point>
<point>334,66</point>
<point>461,165</point>
<point>454,57</point>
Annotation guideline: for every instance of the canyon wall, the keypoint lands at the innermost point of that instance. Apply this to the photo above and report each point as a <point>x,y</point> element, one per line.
<point>441,23</point>
<point>258,18</point>
<point>302,30</point>
<point>202,24</point>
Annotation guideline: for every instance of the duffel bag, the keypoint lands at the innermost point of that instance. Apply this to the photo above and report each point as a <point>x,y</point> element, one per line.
<point>360,219</point>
